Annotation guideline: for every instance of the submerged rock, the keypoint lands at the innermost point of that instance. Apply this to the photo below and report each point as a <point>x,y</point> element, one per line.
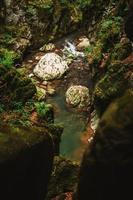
<point>51,66</point>
<point>78,96</point>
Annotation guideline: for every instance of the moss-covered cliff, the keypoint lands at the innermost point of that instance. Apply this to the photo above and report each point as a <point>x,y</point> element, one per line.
<point>106,170</point>
<point>26,154</point>
<point>26,157</point>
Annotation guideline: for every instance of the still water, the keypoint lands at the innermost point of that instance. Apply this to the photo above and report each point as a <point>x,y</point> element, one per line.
<point>74,125</point>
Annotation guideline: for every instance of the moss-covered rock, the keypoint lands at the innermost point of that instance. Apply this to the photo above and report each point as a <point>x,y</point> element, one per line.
<point>26,157</point>
<point>121,50</point>
<point>64,177</point>
<point>106,170</point>
<point>14,87</point>
<point>111,85</point>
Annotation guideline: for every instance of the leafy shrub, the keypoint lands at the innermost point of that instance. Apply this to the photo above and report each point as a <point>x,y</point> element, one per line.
<point>7,58</point>
<point>84,3</point>
<point>110,28</point>
<point>42,109</point>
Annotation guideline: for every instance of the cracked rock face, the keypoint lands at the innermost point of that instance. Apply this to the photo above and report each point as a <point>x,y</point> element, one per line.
<point>51,66</point>
<point>78,96</point>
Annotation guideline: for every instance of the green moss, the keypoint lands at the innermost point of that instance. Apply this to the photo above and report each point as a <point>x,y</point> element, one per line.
<point>112,85</point>
<point>7,57</point>
<point>45,111</point>
<point>64,177</point>
<point>14,140</point>
<point>110,29</point>
<point>121,50</point>
<point>14,87</point>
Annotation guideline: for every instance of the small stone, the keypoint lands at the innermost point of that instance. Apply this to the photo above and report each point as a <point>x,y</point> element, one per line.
<point>31,75</point>
<point>84,43</point>
<point>48,47</point>
<point>50,90</point>
<point>45,83</point>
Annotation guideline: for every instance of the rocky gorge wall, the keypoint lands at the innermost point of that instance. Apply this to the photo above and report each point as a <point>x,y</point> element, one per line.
<point>27,25</point>
<point>106,169</point>
<point>26,158</point>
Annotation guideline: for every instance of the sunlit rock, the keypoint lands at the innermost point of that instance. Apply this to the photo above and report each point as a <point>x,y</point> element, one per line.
<point>84,43</point>
<point>51,66</point>
<point>48,47</point>
<point>78,96</point>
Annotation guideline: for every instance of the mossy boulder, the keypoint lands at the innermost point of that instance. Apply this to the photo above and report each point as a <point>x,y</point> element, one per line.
<point>77,96</point>
<point>111,85</point>
<point>14,87</point>
<point>26,157</point>
<point>106,170</point>
<point>64,177</point>
<point>121,49</point>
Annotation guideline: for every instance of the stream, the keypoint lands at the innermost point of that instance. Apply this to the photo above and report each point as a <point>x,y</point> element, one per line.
<point>74,138</point>
<point>76,131</point>
<point>74,125</point>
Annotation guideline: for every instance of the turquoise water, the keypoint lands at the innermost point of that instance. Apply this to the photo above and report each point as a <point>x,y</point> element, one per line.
<point>74,125</point>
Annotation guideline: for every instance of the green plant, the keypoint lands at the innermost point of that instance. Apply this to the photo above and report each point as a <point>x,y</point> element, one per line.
<point>42,108</point>
<point>110,28</point>
<point>84,3</point>
<point>7,58</point>
<point>2,108</point>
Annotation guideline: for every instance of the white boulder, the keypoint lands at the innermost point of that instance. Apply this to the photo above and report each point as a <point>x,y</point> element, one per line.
<point>51,66</point>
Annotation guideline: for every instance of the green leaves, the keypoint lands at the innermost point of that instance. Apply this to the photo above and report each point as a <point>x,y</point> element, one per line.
<point>7,58</point>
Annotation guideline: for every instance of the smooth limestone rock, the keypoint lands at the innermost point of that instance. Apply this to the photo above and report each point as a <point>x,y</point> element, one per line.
<point>26,158</point>
<point>107,168</point>
<point>77,96</point>
<point>51,66</point>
